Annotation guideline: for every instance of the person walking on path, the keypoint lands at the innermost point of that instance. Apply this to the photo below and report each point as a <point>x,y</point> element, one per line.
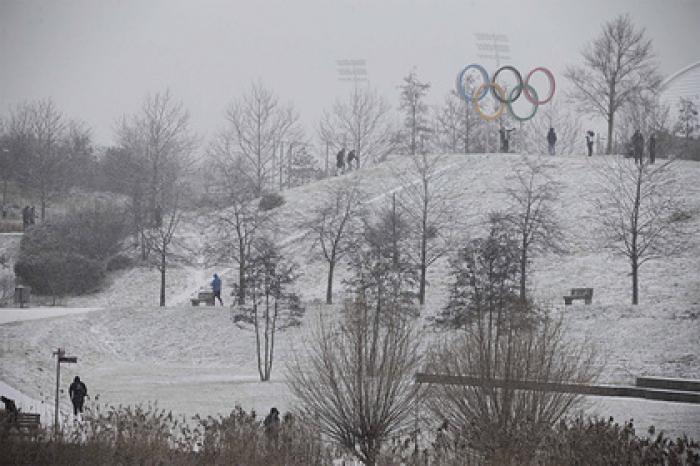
<point>652,148</point>
<point>77,393</point>
<point>638,146</point>
<point>589,142</point>
<point>551,141</point>
<point>340,161</point>
<point>216,288</point>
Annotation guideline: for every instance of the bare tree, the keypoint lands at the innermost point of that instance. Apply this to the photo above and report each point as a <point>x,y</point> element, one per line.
<point>501,338</point>
<point>617,65</point>
<point>160,134</point>
<point>457,125</point>
<point>356,397</point>
<point>256,126</point>
<point>160,238</point>
<point>239,217</point>
<point>640,212</point>
<point>273,303</point>
<point>157,146</point>
<point>427,201</point>
<point>362,121</point>
<point>531,216</point>
<point>37,134</point>
<point>330,228</point>
<point>412,99</point>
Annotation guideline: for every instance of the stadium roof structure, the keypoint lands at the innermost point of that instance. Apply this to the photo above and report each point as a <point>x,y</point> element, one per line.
<point>683,83</point>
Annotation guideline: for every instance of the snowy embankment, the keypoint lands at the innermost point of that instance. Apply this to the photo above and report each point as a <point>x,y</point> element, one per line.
<point>196,360</point>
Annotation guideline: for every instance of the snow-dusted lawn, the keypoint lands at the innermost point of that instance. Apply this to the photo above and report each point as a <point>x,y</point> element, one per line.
<point>194,359</point>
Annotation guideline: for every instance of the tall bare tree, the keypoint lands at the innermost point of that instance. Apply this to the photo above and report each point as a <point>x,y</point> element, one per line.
<point>531,215</point>
<point>358,397</point>
<point>638,210</point>
<point>457,125</point>
<point>256,126</point>
<point>362,122</point>
<point>37,134</point>
<point>412,103</point>
<point>427,201</point>
<point>159,142</point>
<point>239,217</point>
<point>617,65</point>
<point>273,305</point>
<point>160,237</point>
<point>331,226</point>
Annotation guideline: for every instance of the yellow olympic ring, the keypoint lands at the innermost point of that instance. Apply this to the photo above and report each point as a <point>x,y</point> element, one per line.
<point>501,104</point>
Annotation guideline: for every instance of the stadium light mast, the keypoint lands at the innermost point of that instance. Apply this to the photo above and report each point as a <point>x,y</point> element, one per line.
<point>352,70</point>
<point>494,47</point>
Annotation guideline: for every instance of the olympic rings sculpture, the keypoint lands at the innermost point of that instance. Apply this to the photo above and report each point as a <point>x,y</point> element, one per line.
<point>505,101</point>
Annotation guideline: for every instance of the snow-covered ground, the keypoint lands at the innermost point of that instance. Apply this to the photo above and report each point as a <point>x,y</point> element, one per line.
<point>194,359</point>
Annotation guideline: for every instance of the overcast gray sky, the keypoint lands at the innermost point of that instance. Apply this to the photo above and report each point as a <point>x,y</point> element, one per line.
<point>98,58</point>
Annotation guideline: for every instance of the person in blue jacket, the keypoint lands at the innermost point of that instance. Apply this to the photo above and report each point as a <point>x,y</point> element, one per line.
<point>216,288</point>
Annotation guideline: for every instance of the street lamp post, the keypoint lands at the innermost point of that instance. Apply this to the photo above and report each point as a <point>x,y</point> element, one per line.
<point>61,357</point>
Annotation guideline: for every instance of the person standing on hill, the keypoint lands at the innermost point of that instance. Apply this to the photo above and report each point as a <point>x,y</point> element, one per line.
<point>589,142</point>
<point>551,140</point>
<point>77,393</point>
<point>638,146</point>
<point>351,159</point>
<point>216,289</point>
<point>340,161</point>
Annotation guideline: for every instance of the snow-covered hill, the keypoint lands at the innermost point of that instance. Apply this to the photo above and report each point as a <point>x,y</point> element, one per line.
<point>195,359</point>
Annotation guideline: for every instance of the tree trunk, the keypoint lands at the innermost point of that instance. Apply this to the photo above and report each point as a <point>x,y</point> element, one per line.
<point>162,279</point>
<point>523,272</point>
<point>423,267</point>
<point>329,287</point>
<point>241,272</point>
<point>635,282</point>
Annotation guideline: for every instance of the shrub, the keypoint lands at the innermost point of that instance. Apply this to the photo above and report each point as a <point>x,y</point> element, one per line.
<point>596,441</point>
<point>270,201</point>
<point>58,274</point>
<point>68,256</point>
<point>147,435</point>
<point>119,262</point>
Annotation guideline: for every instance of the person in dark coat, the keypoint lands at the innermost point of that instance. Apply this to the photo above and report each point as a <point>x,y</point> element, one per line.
<point>340,161</point>
<point>77,393</point>
<point>32,215</point>
<point>25,217</point>
<point>10,407</point>
<point>272,424</point>
<point>551,141</point>
<point>638,146</point>
<point>351,159</point>
<point>589,142</point>
<point>216,289</point>
<point>652,148</point>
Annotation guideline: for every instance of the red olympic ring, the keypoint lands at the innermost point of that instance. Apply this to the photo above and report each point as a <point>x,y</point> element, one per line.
<point>552,86</point>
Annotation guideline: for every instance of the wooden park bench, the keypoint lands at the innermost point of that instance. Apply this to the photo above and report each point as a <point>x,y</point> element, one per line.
<point>206,297</point>
<point>22,423</point>
<point>586,294</point>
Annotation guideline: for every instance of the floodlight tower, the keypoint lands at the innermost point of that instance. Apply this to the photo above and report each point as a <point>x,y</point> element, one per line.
<point>493,47</point>
<point>354,71</point>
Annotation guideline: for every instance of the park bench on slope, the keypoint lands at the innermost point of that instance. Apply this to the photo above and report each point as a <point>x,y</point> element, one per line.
<point>206,297</point>
<point>586,294</point>
<point>23,423</point>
